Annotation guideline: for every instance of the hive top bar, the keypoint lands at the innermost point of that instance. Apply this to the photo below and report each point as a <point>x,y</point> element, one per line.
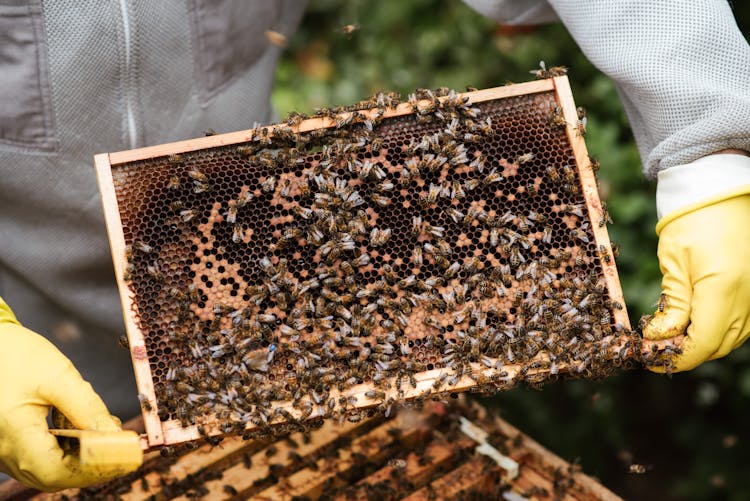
<point>383,253</point>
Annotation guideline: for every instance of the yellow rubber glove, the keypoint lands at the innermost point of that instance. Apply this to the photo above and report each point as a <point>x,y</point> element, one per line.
<point>704,255</point>
<point>35,375</point>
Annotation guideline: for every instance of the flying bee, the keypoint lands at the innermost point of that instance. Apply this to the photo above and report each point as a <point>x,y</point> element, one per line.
<point>477,164</point>
<point>638,469</point>
<point>276,38</point>
<point>348,29</point>
<point>541,72</point>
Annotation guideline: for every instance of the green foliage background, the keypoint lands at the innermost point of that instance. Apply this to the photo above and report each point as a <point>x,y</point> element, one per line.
<point>689,430</point>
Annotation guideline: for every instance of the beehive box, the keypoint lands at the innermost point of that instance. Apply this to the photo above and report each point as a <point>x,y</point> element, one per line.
<point>368,256</point>
<point>415,456</point>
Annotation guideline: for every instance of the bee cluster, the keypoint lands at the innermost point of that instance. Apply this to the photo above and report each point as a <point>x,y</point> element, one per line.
<point>411,456</point>
<point>295,267</point>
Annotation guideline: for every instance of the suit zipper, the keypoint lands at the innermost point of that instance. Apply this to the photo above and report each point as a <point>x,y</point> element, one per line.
<point>128,77</point>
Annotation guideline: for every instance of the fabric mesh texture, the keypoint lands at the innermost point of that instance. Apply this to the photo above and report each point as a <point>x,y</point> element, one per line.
<point>682,69</point>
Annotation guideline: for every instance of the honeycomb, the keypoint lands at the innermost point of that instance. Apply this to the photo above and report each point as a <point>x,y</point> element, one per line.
<point>364,257</point>
<point>411,456</point>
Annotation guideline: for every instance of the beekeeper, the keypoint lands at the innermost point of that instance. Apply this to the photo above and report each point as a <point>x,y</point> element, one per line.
<point>84,77</point>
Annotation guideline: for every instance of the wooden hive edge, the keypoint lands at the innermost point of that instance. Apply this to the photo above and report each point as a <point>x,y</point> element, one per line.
<point>591,195</point>
<point>137,345</point>
<point>127,156</point>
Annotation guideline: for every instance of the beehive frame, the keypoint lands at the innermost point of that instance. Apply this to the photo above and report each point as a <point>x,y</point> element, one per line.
<point>415,456</point>
<point>172,431</point>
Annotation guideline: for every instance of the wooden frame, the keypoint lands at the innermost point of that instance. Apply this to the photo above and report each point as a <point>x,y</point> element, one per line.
<point>435,458</point>
<point>157,432</point>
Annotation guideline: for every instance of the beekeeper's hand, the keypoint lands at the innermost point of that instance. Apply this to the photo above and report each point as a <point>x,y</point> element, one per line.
<point>704,255</point>
<point>35,375</point>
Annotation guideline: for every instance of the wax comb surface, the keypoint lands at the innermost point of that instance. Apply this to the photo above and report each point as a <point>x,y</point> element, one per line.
<point>361,259</point>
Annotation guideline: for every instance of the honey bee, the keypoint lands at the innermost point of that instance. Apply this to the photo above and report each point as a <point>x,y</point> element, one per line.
<point>143,247</point>
<point>269,184</point>
<point>199,187</point>
<point>581,127</point>
<point>416,255</point>
<point>154,272</point>
<point>615,249</point>
<point>380,200</point>
<point>237,233</point>
<point>638,469</point>
<point>187,215</point>
<point>276,38</point>
<point>348,29</point>
<point>379,237</point>
<point>525,158</point>
<point>557,119</point>
<point>145,402</point>
<point>541,72</point>
<point>174,183</point>
<point>662,304</point>
<point>127,275</point>
<point>594,163</point>
<point>196,175</point>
